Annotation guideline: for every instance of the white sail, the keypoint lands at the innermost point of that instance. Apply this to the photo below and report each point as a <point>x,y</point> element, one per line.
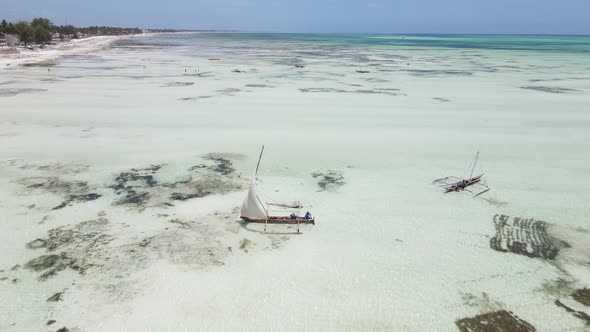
<point>252,207</point>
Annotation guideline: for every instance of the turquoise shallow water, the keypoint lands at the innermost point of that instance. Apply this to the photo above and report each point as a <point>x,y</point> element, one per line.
<point>492,42</point>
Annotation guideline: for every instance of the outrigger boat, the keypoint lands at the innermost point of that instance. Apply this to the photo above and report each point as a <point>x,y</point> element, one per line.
<point>361,71</point>
<point>473,184</point>
<point>253,209</point>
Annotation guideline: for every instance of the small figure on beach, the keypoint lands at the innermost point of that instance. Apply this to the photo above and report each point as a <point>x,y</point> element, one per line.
<point>308,215</point>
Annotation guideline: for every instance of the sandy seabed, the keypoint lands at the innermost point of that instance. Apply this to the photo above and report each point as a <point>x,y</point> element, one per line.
<point>122,171</point>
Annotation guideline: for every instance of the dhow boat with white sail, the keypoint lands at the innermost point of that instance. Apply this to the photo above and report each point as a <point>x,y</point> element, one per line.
<point>255,210</point>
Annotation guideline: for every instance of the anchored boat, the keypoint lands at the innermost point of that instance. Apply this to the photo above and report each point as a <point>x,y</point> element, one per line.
<point>256,211</point>
<point>473,184</point>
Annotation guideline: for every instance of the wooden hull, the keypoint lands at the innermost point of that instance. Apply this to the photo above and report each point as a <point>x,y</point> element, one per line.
<point>462,185</point>
<point>281,220</point>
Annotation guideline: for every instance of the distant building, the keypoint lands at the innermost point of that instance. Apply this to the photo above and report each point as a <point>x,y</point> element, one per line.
<point>3,39</point>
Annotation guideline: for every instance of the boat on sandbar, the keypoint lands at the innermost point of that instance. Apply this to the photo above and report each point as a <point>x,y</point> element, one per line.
<point>473,184</point>
<point>254,210</point>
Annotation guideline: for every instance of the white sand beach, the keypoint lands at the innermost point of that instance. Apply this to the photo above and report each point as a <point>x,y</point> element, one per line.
<point>122,172</point>
<point>51,53</point>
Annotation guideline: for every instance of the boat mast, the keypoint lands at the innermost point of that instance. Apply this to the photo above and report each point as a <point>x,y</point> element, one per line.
<point>254,181</point>
<point>259,159</point>
<point>474,163</point>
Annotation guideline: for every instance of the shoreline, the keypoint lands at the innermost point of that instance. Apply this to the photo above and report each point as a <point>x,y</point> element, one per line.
<point>26,57</point>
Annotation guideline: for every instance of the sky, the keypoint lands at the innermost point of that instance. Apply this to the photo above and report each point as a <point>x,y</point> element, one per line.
<point>322,16</point>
